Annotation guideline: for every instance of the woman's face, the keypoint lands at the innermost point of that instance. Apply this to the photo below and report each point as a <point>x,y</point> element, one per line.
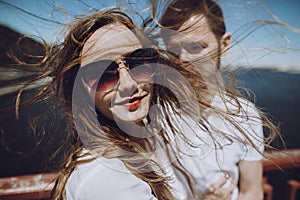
<point>122,92</point>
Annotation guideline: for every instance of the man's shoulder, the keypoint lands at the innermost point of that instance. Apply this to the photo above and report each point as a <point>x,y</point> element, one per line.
<point>238,106</point>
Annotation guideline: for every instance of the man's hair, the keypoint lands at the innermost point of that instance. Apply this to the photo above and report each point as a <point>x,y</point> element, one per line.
<point>180,11</point>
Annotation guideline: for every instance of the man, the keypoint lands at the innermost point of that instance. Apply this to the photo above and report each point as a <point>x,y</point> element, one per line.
<point>201,37</point>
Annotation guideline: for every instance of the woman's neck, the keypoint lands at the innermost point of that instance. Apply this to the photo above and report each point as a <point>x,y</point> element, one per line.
<point>139,133</point>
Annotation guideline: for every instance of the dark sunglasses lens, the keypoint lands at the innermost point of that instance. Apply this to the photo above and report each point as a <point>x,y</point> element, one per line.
<point>143,71</point>
<point>101,75</point>
<point>106,82</point>
<point>142,63</point>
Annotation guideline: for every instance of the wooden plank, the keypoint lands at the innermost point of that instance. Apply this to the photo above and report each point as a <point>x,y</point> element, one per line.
<point>282,160</point>
<point>36,186</point>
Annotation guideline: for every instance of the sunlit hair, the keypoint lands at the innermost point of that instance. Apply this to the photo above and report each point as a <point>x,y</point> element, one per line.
<point>111,141</point>
<point>63,64</point>
<point>107,139</point>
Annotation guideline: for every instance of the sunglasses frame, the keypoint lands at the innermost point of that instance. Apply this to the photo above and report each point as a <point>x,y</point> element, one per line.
<point>131,61</point>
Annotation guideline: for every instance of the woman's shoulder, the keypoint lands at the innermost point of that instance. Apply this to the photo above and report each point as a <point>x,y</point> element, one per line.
<point>104,178</point>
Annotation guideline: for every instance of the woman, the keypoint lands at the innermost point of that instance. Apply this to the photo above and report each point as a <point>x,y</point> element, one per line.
<point>133,110</point>
<point>121,103</point>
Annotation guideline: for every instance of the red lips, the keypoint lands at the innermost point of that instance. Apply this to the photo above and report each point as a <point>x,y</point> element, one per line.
<point>132,102</point>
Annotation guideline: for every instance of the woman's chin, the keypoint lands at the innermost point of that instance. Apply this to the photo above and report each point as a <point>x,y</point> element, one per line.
<point>125,115</point>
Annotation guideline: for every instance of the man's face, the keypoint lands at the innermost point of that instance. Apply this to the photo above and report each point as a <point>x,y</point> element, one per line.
<point>196,42</point>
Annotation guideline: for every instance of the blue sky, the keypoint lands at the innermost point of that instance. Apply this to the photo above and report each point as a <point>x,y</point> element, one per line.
<point>268,46</point>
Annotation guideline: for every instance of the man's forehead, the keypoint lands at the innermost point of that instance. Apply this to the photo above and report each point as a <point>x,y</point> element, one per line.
<point>186,38</point>
<point>195,23</point>
<point>194,29</point>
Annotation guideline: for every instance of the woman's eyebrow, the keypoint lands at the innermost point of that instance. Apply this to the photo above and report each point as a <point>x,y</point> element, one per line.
<point>130,53</point>
<point>100,65</point>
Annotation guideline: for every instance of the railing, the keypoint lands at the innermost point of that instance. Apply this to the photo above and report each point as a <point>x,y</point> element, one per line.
<point>284,160</point>
<point>31,187</point>
<point>39,186</point>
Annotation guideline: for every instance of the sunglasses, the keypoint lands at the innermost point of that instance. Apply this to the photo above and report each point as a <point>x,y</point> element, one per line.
<point>103,75</point>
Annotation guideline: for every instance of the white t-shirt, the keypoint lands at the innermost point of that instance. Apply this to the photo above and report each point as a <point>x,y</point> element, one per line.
<point>224,158</point>
<point>109,178</point>
<point>106,179</point>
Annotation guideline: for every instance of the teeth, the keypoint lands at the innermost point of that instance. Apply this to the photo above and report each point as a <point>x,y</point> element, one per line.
<point>133,99</point>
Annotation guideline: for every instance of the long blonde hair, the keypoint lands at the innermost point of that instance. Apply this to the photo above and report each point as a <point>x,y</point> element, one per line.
<point>63,63</point>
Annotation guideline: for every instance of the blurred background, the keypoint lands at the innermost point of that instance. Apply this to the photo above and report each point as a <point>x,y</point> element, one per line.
<point>265,58</point>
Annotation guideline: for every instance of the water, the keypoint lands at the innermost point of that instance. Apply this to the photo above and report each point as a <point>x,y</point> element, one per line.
<point>277,93</point>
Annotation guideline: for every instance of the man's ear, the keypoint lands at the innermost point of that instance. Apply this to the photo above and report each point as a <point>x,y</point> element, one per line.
<point>225,43</point>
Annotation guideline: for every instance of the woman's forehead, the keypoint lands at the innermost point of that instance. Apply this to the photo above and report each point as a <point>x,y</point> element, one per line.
<point>109,43</point>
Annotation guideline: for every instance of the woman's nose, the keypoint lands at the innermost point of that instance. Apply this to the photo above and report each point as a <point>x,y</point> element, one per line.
<point>126,82</point>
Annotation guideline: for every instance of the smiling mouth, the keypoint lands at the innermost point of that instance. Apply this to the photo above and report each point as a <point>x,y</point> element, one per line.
<point>132,102</point>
